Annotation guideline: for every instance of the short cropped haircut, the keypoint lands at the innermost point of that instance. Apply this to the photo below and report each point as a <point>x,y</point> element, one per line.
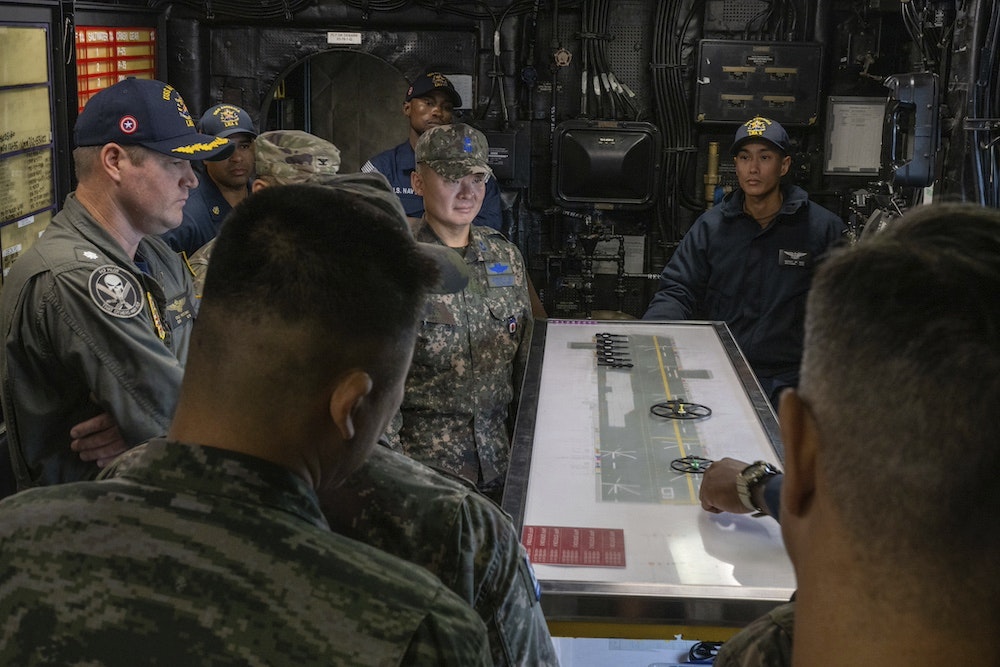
<point>902,371</point>
<point>86,158</point>
<point>322,258</point>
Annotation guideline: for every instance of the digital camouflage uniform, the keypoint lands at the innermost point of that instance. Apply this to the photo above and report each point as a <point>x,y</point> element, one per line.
<point>755,280</point>
<point>468,357</point>
<point>460,388</point>
<point>196,556</point>
<point>86,331</point>
<point>282,157</point>
<point>442,523</point>
<point>766,642</point>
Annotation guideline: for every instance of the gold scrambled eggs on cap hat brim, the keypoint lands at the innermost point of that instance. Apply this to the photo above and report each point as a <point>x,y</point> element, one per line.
<point>147,113</point>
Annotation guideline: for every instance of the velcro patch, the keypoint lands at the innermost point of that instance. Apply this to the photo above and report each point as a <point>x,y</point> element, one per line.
<point>115,291</point>
<point>793,258</point>
<point>179,311</point>
<point>499,274</point>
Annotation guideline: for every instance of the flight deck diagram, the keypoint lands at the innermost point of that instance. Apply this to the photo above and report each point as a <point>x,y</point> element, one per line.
<point>647,420</point>
<point>616,422</point>
<point>626,407</point>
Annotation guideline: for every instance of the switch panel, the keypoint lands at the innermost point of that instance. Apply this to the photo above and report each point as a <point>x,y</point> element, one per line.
<point>741,79</point>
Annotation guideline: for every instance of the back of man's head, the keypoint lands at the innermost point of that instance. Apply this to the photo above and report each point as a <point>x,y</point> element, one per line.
<point>901,368</point>
<point>320,260</point>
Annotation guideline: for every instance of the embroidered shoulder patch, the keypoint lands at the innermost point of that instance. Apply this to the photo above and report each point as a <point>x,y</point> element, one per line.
<point>115,291</point>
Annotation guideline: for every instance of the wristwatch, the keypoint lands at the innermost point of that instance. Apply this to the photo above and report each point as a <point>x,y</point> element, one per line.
<point>754,474</point>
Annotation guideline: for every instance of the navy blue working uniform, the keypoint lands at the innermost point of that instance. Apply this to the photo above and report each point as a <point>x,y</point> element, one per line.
<point>755,279</point>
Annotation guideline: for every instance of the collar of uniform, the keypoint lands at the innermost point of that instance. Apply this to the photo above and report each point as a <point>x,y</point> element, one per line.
<point>197,471</point>
<point>478,249</point>
<point>88,227</point>
<point>794,199</point>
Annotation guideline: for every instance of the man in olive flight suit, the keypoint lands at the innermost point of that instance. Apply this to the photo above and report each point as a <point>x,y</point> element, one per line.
<point>96,315</point>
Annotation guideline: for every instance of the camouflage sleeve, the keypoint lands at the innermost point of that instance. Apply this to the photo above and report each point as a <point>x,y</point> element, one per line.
<point>766,642</point>
<point>506,593</point>
<point>448,636</point>
<point>198,264</point>
<point>122,462</point>
<point>391,436</point>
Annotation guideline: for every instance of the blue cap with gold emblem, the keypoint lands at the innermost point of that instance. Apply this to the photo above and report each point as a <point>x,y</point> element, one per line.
<point>225,120</point>
<point>148,113</point>
<point>431,81</point>
<point>763,129</point>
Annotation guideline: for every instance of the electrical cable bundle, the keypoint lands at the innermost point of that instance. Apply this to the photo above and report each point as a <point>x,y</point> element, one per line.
<point>933,44</point>
<point>286,9</point>
<point>984,101</point>
<point>462,8</point>
<point>671,108</point>
<point>783,27</point>
<point>612,99</point>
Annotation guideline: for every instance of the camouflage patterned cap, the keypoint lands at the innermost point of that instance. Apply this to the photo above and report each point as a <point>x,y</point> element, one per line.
<point>375,189</point>
<point>454,151</point>
<point>294,156</point>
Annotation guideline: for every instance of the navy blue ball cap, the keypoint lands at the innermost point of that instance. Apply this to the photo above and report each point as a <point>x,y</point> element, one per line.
<point>225,120</point>
<point>763,129</point>
<point>430,81</point>
<point>148,113</point>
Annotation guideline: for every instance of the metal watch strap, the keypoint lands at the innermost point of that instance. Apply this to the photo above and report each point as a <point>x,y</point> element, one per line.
<point>748,479</point>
